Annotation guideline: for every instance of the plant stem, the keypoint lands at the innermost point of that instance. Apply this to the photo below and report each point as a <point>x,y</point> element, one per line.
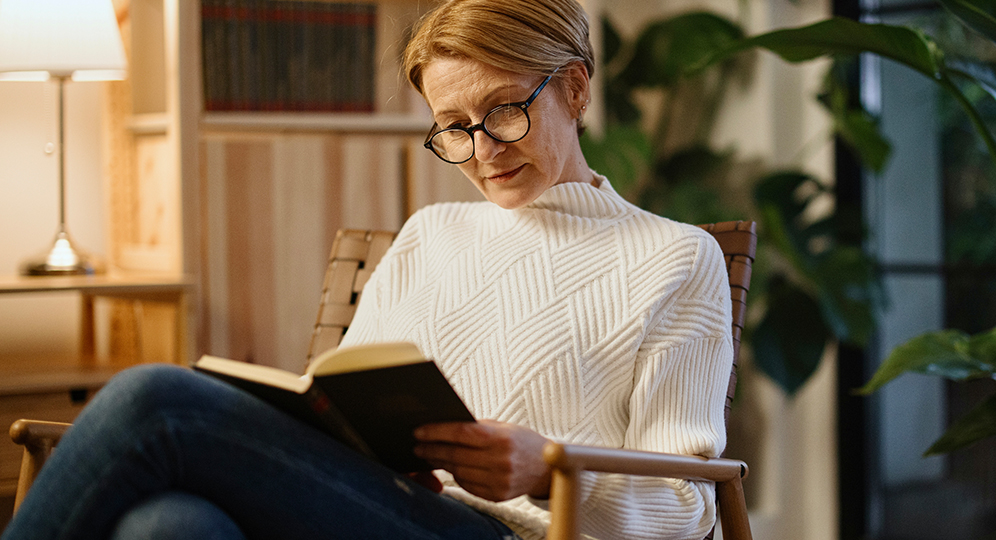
<point>973,114</point>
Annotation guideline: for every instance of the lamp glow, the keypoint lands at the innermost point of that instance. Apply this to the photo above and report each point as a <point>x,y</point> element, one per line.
<point>62,40</point>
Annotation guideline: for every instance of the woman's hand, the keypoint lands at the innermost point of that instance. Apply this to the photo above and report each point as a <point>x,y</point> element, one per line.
<point>493,460</point>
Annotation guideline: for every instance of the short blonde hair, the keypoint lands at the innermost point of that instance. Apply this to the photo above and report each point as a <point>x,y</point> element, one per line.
<point>521,36</point>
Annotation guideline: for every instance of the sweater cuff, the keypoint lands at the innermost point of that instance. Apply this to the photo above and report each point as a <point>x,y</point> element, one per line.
<point>543,504</point>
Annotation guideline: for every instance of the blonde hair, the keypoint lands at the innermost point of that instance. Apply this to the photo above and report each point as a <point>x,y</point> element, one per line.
<point>521,36</point>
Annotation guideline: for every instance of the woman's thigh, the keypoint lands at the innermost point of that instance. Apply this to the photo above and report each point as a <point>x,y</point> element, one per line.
<point>161,428</point>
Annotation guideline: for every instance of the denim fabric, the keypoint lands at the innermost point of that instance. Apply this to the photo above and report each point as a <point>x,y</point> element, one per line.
<point>175,515</point>
<point>155,430</point>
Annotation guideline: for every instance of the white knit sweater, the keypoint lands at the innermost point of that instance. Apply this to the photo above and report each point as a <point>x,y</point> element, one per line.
<point>581,317</point>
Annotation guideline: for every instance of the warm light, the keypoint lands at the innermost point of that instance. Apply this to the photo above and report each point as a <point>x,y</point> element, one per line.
<point>62,255</point>
<point>64,38</point>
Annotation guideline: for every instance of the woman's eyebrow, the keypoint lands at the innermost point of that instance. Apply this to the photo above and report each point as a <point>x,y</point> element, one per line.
<point>488,98</point>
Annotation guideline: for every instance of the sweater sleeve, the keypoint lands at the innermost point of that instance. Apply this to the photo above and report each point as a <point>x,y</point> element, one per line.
<point>676,406</point>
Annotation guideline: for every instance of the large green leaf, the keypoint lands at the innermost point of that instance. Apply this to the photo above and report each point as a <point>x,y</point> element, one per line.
<point>850,119</point>
<point>670,48</point>
<point>948,353</point>
<point>838,36</point>
<point>979,15</point>
<point>612,41</point>
<point>623,154</point>
<point>978,424</point>
<point>861,133</point>
<point>849,293</point>
<point>789,341</point>
<point>983,347</point>
<point>782,198</point>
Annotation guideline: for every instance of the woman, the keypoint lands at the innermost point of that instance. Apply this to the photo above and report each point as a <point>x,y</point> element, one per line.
<point>557,310</point>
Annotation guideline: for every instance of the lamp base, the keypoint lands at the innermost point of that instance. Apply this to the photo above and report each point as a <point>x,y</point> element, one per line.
<point>62,260</point>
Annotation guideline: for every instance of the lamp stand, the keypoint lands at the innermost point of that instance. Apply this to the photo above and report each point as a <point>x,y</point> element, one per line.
<point>62,259</point>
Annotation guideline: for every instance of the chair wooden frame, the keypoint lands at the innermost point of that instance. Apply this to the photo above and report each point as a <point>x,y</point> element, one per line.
<point>354,256</point>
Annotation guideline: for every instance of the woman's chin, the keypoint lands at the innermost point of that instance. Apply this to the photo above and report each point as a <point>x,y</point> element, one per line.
<point>510,199</point>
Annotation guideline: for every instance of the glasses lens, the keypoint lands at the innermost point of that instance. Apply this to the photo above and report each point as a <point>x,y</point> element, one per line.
<point>507,124</point>
<point>453,145</point>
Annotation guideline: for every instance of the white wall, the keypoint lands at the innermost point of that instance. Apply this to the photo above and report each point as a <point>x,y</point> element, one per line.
<point>29,211</point>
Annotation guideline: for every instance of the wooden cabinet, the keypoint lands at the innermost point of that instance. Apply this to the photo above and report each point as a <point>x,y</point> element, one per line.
<point>55,387</point>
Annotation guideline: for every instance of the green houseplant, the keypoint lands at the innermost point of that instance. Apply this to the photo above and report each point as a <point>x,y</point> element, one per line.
<point>812,294</point>
<point>814,289</point>
<point>948,353</point>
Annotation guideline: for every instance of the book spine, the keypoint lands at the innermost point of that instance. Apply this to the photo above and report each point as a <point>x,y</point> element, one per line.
<point>251,76</point>
<point>288,55</point>
<point>211,33</point>
<point>267,29</point>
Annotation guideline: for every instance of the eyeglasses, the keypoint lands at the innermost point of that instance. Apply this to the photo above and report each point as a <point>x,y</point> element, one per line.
<point>506,123</point>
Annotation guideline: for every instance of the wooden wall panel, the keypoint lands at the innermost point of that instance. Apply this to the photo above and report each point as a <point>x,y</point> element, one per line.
<point>273,202</point>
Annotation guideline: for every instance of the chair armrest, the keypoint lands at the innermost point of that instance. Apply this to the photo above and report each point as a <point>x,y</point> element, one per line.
<point>38,439</point>
<point>37,433</point>
<point>641,463</point>
<point>567,460</point>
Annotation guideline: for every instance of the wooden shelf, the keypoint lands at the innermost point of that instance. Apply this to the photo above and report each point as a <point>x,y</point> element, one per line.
<point>46,373</point>
<point>397,124</point>
<point>100,284</point>
<point>149,124</point>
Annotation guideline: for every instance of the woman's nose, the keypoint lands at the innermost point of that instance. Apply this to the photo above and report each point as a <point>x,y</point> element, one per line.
<point>486,148</point>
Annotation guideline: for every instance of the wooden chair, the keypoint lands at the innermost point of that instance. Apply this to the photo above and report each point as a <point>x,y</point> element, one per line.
<point>354,256</point>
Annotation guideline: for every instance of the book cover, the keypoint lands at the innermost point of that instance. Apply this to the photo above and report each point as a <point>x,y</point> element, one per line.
<point>370,398</point>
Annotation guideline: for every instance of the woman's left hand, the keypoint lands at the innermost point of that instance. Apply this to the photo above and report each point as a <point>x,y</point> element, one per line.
<point>493,460</point>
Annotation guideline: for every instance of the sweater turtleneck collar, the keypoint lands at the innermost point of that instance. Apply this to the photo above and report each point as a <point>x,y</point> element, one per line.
<point>581,199</point>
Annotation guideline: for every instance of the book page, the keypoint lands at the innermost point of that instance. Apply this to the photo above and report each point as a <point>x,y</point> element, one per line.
<point>376,355</point>
<point>254,372</point>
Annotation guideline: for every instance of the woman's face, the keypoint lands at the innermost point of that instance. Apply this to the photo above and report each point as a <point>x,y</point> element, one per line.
<point>461,92</point>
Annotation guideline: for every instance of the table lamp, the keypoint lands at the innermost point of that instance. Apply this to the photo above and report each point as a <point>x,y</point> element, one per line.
<point>61,40</point>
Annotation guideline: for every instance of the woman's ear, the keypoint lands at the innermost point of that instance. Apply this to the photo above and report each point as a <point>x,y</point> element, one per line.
<point>576,87</point>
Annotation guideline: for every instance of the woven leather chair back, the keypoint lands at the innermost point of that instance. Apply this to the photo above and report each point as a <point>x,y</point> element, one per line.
<point>356,253</point>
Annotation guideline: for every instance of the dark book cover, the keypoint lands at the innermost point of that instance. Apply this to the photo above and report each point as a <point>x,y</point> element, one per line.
<point>385,405</point>
<point>373,411</point>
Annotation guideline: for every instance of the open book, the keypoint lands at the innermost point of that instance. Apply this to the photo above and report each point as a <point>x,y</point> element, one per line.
<point>369,397</point>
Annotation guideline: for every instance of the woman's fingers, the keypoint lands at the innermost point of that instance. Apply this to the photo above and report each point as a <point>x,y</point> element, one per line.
<point>494,460</point>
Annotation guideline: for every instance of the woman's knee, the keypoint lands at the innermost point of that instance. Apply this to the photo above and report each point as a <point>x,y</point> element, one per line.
<point>140,392</point>
<point>176,515</point>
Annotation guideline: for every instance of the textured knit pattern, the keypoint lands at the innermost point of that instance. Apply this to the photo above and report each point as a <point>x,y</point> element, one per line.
<point>581,317</point>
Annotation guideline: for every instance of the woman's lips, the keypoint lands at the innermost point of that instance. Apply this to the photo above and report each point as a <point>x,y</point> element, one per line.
<point>505,177</point>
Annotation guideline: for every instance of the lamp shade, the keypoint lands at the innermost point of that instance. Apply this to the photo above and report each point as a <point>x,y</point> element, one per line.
<point>60,38</point>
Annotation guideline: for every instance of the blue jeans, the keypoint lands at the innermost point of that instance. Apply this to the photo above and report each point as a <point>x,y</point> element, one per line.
<point>165,452</point>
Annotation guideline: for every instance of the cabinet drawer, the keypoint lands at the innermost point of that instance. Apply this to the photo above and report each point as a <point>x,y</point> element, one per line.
<point>61,406</point>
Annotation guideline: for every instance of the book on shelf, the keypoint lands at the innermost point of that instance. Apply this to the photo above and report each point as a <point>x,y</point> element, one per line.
<point>369,397</point>
<point>288,55</point>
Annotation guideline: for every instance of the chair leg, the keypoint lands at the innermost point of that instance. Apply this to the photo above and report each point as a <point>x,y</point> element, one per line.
<point>733,510</point>
<point>565,497</point>
<point>31,463</point>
